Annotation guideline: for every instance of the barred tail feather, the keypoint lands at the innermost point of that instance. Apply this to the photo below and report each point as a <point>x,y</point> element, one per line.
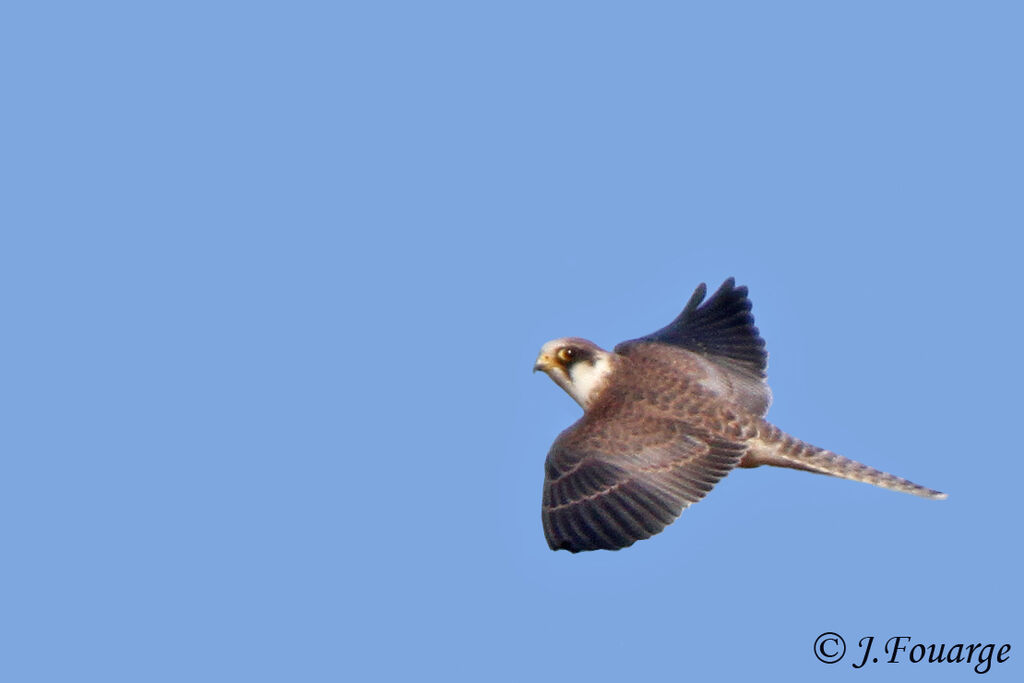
<point>775,447</point>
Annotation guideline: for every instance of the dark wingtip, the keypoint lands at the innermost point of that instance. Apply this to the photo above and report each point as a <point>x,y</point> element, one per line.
<point>722,326</point>
<point>729,287</point>
<point>695,299</point>
<point>562,544</point>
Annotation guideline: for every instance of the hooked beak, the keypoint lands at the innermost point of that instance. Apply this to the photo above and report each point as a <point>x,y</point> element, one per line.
<point>543,363</point>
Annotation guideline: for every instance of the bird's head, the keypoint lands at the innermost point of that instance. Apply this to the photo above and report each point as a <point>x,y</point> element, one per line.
<point>579,366</point>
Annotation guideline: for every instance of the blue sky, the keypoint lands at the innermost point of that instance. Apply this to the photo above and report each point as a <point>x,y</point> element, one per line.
<point>274,277</point>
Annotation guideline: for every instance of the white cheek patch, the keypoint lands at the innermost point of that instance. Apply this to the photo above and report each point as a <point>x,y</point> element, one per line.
<point>585,380</point>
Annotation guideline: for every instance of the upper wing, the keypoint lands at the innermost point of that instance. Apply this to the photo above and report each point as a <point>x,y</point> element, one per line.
<point>722,330</point>
<point>608,484</point>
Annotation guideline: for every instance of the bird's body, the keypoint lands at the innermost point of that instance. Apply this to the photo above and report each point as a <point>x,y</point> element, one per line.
<point>665,418</point>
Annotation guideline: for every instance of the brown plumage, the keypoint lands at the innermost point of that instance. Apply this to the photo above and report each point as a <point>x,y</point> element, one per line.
<point>665,418</point>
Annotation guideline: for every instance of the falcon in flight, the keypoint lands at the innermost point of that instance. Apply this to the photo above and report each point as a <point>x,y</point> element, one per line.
<point>665,417</point>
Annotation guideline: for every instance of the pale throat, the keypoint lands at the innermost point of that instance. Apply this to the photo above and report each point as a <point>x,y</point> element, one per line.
<point>586,380</point>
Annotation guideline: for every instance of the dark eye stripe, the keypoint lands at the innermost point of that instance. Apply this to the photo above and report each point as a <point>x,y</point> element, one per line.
<point>570,356</point>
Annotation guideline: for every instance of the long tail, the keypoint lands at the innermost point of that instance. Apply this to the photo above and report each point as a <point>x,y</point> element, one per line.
<point>774,447</point>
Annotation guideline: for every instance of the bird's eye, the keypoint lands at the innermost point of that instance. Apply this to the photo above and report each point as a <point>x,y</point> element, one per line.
<point>566,355</point>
